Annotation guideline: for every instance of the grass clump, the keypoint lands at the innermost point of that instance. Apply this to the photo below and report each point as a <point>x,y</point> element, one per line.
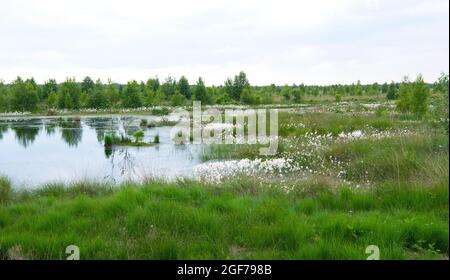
<point>156,139</point>
<point>5,190</point>
<point>111,140</point>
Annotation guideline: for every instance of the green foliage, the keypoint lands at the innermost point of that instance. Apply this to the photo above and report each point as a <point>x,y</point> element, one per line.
<point>247,97</point>
<point>200,93</point>
<point>169,87</point>
<point>52,100</point>
<point>413,97</point>
<point>153,84</point>
<point>177,99</point>
<point>235,87</point>
<point>87,85</point>
<point>184,88</point>
<point>5,190</point>
<point>420,96</point>
<point>441,86</point>
<point>440,104</point>
<point>156,139</point>
<point>160,111</point>
<point>98,98</point>
<point>391,91</point>
<point>298,94</point>
<point>108,139</point>
<point>139,135</point>
<point>48,88</point>
<point>112,94</point>
<point>24,95</point>
<point>131,97</point>
<point>69,95</point>
<point>3,97</point>
<point>87,94</point>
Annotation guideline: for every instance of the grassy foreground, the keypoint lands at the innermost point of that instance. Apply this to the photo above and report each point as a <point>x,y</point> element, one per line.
<point>238,220</point>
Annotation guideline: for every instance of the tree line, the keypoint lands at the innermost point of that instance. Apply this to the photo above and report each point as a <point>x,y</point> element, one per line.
<point>26,95</point>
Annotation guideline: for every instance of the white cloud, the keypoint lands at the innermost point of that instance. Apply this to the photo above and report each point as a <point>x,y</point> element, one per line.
<point>323,41</point>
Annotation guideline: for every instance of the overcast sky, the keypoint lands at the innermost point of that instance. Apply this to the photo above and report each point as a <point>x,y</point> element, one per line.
<point>314,42</point>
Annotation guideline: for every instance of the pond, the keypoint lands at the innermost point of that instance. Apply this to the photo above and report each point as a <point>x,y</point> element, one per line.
<point>36,151</point>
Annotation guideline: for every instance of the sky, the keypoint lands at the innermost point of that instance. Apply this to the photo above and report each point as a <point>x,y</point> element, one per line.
<point>280,42</point>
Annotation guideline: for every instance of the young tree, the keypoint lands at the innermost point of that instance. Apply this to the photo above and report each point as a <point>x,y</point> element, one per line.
<point>169,87</point>
<point>112,94</point>
<point>87,85</point>
<point>391,92</point>
<point>404,96</point>
<point>98,98</point>
<point>24,96</point>
<point>286,93</point>
<point>48,87</point>
<point>235,87</point>
<point>52,100</point>
<point>184,88</point>
<point>69,94</point>
<point>200,91</point>
<point>413,97</point>
<point>131,95</point>
<point>419,97</point>
<point>153,84</point>
<point>384,88</point>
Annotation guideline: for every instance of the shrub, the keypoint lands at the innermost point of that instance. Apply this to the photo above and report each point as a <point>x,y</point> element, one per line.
<point>156,139</point>
<point>138,135</point>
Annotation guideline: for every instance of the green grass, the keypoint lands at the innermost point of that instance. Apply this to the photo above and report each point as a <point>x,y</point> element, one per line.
<point>412,158</point>
<point>5,190</point>
<point>189,220</point>
<point>212,152</point>
<point>335,123</point>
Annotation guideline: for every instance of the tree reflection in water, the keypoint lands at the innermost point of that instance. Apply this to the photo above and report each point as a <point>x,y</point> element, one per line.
<point>121,159</point>
<point>3,129</point>
<point>26,135</point>
<point>71,132</point>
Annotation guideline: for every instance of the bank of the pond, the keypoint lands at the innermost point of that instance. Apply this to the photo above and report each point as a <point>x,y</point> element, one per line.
<point>235,220</point>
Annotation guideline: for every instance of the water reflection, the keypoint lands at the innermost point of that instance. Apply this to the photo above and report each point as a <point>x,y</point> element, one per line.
<point>26,135</point>
<point>3,129</point>
<point>71,132</point>
<point>41,150</point>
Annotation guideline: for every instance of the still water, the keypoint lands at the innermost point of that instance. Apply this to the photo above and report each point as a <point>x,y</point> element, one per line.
<point>35,151</point>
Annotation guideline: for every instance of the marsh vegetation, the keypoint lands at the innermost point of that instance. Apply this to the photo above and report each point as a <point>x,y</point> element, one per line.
<point>346,175</point>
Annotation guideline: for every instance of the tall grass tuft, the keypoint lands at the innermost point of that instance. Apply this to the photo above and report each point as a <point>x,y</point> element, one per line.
<point>5,190</point>
<point>156,139</point>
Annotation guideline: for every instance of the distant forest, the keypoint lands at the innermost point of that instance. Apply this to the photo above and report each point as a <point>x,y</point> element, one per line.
<point>25,95</point>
